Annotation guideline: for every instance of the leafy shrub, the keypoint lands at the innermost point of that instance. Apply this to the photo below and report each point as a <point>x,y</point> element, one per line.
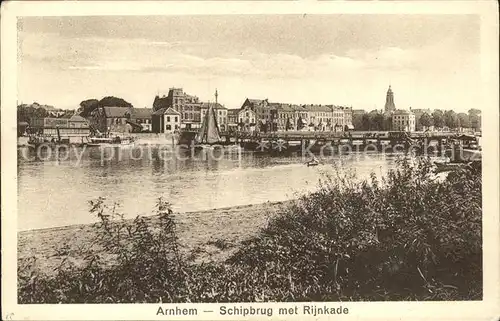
<point>147,265</point>
<point>409,236</point>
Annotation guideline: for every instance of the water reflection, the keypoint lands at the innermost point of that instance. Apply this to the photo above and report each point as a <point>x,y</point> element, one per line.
<point>54,191</point>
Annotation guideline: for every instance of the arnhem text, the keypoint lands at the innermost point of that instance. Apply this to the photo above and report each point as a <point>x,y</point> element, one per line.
<point>312,310</point>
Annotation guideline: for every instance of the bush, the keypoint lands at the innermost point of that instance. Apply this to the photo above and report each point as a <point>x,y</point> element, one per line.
<point>409,236</point>
<point>147,266</point>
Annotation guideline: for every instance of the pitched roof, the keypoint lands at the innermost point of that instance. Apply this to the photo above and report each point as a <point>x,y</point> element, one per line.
<point>134,124</point>
<point>286,108</point>
<point>255,101</point>
<point>318,108</point>
<point>141,113</point>
<point>166,111</point>
<point>402,112</point>
<point>159,111</point>
<point>116,112</point>
<point>218,106</point>
<point>171,111</point>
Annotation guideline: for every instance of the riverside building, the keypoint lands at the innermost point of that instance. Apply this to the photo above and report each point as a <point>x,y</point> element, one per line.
<point>189,107</point>
<point>403,120</point>
<point>73,129</point>
<point>166,120</point>
<point>247,119</point>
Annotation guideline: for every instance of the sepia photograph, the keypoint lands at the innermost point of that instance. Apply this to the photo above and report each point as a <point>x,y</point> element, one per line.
<point>308,158</point>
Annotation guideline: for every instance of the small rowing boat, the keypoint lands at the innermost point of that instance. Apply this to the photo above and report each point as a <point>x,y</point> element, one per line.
<point>448,166</point>
<point>110,142</point>
<point>313,162</point>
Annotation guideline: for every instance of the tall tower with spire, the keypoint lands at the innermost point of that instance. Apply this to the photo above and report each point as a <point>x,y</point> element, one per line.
<point>216,96</point>
<point>389,101</point>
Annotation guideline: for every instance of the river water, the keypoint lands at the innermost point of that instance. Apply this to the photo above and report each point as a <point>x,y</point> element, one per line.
<point>55,190</point>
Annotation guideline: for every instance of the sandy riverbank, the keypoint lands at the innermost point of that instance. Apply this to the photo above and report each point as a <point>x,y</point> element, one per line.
<point>210,235</point>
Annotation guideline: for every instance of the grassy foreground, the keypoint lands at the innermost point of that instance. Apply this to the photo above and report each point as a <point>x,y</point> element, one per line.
<point>407,237</point>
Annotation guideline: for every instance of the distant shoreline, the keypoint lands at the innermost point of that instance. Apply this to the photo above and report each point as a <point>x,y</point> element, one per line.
<point>199,233</point>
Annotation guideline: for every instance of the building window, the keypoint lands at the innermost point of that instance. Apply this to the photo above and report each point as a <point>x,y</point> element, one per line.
<point>176,119</point>
<point>168,127</point>
<point>168,118</point>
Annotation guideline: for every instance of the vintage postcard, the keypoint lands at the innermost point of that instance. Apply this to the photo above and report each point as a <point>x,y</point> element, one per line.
<point>250,160</point>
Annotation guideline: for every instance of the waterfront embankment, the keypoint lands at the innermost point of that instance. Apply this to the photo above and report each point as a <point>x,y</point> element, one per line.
<point>140,139</point>
<point>205,236</point>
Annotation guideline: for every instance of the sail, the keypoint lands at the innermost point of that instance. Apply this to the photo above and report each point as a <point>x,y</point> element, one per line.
<point>201,133</point>
<point>209,131</point>
<point>212,127</point>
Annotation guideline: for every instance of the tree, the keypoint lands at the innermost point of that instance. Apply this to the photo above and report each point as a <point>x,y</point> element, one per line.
<point>366,122</point>
<point>426,120</point>
<point>475,118</point>
<point>87,106</point>
<point>26,112</point>
<point>357,121</point>
<point>475,121</point>
<point>378,121</point>
<point>464,120</point>
<point>111,101</point>
<point>438,118</point>
<point>387,122</point>
<point>474,111</point>
<point>40,113</point>
<point>451,119</point>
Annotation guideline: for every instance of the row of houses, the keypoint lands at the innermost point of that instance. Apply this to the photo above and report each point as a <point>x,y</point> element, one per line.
<point>71,128</point>
<point>271,116</point>
<point>189,108</point>
<point>121,119</point>
<point>254,114</point>
<point>181,111</point>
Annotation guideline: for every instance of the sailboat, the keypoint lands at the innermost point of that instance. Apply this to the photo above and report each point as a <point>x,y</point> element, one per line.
<point>208,135</point>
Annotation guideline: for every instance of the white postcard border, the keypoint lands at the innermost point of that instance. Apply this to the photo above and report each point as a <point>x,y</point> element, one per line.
<point>488,309</point>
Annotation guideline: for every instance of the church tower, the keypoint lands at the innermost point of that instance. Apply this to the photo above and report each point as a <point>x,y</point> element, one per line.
<point>389,101</point>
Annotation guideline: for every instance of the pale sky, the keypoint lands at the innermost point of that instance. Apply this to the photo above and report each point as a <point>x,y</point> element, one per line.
<point>431,61</point>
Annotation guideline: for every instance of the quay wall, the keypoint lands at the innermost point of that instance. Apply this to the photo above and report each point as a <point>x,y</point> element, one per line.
<point>155,139</point>
<point>141,139</point>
